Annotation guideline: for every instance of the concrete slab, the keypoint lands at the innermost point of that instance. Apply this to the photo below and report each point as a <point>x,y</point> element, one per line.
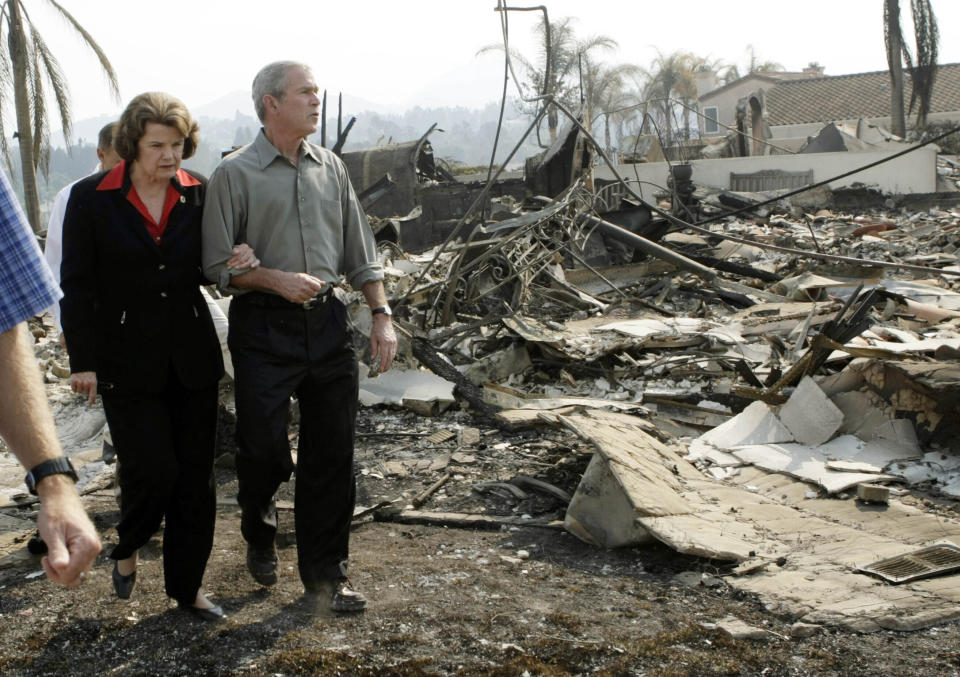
<point>803,462</point>
<point>756,424</point>
<point>803,551</point>
<point>810,415</point>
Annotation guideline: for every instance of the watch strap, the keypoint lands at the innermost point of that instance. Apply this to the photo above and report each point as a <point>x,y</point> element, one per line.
<point>55,466</point>
<point>382,309</point>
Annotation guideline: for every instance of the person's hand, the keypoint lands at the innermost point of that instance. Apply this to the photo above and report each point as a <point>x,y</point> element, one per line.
<point>243,258</point>
<point>383,341</point>
<point>300,287</point>
<point>71,539</point>
<point>85,383</point>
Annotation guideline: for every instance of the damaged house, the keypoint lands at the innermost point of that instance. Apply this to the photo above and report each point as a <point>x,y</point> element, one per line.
<point>778,112</point>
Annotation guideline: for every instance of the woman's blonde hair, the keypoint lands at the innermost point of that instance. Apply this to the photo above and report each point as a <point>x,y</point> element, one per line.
<point>157,107</point>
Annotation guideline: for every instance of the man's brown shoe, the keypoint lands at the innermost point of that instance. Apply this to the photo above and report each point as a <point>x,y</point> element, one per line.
<point>262,564</point>
<point>341,594</point>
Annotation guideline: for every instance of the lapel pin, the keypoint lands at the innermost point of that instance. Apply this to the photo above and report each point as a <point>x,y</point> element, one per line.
<point>183,200</point>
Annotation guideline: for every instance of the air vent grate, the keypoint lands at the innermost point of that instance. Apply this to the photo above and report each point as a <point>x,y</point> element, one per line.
<point>935,560</point>
<point>441,436</point>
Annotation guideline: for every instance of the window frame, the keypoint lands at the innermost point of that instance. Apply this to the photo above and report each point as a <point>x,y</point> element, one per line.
<point>715,120</point>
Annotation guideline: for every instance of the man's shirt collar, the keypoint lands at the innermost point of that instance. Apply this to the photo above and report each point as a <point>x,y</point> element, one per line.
<point>267,152</point>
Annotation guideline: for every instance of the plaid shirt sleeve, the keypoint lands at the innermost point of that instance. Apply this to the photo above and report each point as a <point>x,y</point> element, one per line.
<point>27,286</point>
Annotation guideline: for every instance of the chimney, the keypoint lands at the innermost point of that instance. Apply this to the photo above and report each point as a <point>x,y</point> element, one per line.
<point>813,70</point>
<point>706,81</point>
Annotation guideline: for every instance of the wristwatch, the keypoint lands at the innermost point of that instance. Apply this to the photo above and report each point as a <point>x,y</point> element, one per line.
<point>55,466</point>
<point>382,309</point>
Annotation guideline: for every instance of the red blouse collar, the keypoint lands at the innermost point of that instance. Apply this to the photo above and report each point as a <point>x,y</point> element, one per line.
<point>114,178</point>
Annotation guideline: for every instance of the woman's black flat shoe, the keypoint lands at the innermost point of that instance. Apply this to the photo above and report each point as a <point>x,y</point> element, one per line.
<point>213,614</point>
<point>123,585</point>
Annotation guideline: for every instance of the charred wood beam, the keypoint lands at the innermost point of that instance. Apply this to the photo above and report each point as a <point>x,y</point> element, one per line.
<point>615,232</point>
<point>371,194</point>
<point>737,268</point>
<point>832,336</point>
<point>493,318</point>
<point>323,120</point>
<point>342,136</point>
<point>713,296</point>
<point>429,357</point>
<point>460,520</point>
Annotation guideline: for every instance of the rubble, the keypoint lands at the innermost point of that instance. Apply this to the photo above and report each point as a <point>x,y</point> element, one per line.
<point>769,391</point>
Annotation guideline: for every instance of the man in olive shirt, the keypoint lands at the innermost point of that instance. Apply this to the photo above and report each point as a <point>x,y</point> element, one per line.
<point>293,203</point>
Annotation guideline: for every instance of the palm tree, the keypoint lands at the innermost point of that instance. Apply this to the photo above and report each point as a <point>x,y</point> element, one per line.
<point>554,70</point>
<point>604,92</point>
<point>898,53</point>
<point>671,77</point>
<point>28,66</point>
<point>755,65</point>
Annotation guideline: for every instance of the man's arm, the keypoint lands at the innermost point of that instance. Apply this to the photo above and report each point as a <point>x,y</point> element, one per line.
<point>27,427</point>
<point>383,339</point>
<point>295,287</point>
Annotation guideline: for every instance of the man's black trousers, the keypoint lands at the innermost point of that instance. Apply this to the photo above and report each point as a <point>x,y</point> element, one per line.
<point>280,349</point>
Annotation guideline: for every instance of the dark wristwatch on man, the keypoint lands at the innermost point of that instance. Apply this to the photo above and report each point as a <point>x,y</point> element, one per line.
<point>55,466</point>
<point>384,309</point>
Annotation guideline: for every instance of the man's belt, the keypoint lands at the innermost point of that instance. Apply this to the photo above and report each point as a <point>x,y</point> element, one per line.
<point>265,300</point>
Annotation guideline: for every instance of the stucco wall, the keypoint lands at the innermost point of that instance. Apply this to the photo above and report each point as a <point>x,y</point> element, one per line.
<point>914,172</point>
<point>726,103</point>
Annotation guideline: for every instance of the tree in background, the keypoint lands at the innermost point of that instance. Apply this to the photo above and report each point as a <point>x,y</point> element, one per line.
<point>27,67</point>
<point>605,93</point>
<point>927,39</point>
<point>753,65</point>
<point>556,70</point>
<point>670,78</point>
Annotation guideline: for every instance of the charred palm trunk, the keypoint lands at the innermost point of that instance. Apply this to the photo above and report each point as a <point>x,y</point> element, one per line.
<point>16,41</point>
<point>894,40</point>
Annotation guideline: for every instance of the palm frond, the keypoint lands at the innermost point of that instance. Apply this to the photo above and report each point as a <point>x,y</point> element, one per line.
<point>58,83</point>
<point>92,44</point>
<point>41,136</point>
<point>6,86</point>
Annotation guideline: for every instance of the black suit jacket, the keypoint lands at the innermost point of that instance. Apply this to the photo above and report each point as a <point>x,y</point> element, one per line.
<point>132,310</point>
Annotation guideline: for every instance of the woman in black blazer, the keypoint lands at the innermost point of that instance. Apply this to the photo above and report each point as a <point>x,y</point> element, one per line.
<point>138,332</point>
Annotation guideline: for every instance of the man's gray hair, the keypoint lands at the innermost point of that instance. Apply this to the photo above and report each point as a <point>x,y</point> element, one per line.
<point>272,80</point>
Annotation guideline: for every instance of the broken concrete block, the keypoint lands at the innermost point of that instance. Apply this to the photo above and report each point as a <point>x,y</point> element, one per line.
<point>863,412</point>
<point>873,493</point>
<point>499,366</point>
<point>754,425</point>
<point>740,630</point>
<point>469,437</point>
<point>809,415</point>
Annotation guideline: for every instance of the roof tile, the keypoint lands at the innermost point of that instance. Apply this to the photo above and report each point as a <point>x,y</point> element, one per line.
<point>846,97</point>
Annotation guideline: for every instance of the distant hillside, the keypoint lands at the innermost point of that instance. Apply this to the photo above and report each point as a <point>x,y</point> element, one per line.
<point>466,138</point>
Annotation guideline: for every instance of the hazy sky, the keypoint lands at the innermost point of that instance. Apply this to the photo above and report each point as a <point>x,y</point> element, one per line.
<point>400,53</point>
